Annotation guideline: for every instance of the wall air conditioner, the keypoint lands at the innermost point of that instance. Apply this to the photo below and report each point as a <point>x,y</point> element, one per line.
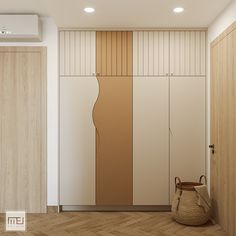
<point>20,28</point>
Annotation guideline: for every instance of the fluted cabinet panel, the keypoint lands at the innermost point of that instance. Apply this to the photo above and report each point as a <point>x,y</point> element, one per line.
<point>150,53</point>
<point>188,53</point>
<point>77,53</point>
<point>114,53</point>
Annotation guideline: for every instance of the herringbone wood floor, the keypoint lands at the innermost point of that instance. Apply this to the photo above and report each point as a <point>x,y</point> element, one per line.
<point>109,224</point>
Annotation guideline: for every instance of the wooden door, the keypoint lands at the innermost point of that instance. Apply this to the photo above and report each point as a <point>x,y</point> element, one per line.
<point>23,129</point>
<point>223,129</point>
<point>113,119</point>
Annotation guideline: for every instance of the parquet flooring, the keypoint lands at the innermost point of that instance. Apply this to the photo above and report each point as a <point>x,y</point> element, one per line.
<point>109,224</point>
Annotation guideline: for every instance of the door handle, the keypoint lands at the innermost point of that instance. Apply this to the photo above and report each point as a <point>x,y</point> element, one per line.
<point>212,147</point>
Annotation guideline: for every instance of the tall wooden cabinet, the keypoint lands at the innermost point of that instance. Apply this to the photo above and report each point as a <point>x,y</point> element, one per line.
<point>138,99</point>
<point>78,93</point>
<point>169,112</point>
<point>187,105</point>
<point>113,119</point>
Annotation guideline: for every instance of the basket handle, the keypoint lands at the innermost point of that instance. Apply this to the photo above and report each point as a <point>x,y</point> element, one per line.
<point>203,177</point>
<point>178,181</point>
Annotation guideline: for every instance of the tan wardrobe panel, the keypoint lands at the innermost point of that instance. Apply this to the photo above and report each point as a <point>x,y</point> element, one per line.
<point>77,140</point>
<point>150,53</point>
<point>187,129</point>
<point>77,53</point>
<point>114,53</point>
<point>23,129</point>
<point>151,140</point>
<point>113,120</point>
<point>223,129</point>
<point>188,53</point>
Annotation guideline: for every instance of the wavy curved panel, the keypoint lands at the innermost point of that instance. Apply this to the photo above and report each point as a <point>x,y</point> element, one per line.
<point>113,121</point>
<point>77,140</point>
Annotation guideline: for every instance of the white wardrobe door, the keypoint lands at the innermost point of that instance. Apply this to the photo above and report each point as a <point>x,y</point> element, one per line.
<point>187,129</point>
<point>150,141</point>
<point>188,53</point>
<point>77,53</point>
<point>77,140</point>
<point>150,53</point>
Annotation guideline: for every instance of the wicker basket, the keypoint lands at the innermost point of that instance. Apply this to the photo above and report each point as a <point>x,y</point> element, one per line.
<point>185,206</point>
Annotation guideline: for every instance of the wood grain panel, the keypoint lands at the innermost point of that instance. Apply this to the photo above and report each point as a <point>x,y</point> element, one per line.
<point>113,120</point>
<point>188,53</point>
<point>77,140</point>
<point>187,129</point>
<point>77,53</point>
<point>151,141</point>
<point>23,129</point>
<point>223,128</point>
<point>150,53</point>
<point>114,53</point>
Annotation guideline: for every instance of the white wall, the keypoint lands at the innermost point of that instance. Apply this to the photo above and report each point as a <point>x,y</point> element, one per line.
<point>50,40</point>
<point>224,20</point>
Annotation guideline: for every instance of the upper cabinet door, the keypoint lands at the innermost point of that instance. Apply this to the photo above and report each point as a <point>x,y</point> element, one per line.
<point>77,53</point>
<point>151,53</point>
<point>114,53</point>
<point>188,53</point>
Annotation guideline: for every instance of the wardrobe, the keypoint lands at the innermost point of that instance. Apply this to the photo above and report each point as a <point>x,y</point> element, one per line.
<point>132,115</point>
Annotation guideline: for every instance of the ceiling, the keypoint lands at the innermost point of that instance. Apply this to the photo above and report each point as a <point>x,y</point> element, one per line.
<point>121,13</point>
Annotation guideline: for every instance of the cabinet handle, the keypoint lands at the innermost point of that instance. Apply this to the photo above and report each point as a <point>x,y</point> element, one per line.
<point>212,147</point>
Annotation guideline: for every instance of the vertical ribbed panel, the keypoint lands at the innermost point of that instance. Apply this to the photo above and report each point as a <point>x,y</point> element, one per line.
<point>77,53</point>
<point>151,53</point>
<point>114,53</point>
<point>188,53</point>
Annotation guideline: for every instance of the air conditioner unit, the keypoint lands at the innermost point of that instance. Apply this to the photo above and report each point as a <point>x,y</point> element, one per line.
<point>20,28</point>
